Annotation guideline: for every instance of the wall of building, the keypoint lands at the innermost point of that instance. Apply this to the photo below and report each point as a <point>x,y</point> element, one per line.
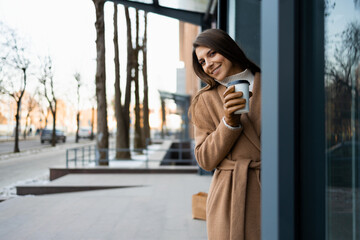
<point>187,34</point>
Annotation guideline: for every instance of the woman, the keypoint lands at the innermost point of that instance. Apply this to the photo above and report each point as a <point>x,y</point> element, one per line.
<point>226,141</point>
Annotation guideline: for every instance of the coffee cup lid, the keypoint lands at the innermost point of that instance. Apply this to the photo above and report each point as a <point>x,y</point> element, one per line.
<point>237,82</point>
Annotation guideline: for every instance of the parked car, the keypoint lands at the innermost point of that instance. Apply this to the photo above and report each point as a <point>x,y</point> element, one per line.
<point>85,133</point>
<point>46,135</point>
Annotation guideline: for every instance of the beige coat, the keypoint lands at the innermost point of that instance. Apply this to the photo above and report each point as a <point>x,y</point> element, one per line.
<point>233,204</point>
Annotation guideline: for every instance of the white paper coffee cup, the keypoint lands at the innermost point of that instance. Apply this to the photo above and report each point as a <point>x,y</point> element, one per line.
<point>242,86</point>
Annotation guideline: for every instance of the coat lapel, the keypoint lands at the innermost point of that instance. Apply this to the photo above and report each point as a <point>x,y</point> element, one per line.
<point>249,131</point>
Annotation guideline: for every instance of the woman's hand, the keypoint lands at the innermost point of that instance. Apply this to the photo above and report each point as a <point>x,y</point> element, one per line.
<point>232,103</point>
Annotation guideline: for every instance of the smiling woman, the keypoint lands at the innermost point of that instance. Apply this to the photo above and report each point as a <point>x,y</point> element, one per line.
<point>227,141</point>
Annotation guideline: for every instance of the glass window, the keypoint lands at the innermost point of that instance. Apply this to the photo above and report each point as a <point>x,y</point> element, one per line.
<point>342,86</point>
<point>247,31</point>
<point>189,5</point>
<point>143,1</point>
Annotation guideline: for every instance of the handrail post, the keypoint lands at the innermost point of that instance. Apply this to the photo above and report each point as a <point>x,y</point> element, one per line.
<point>75,157</point>
<point>89,153</point>
<point>67,158</point>
<point>83,155</point>
<point>96,157</point>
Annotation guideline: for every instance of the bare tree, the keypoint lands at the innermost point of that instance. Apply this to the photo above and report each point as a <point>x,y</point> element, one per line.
<point>31,104</point>
<point>138,132</point>
<point>42,107</point>
<point>342,84</point>
<point>92,122</point>
<point>47,81</point>
<point>102,138</point>
<point>129,69</point>
<point>121,141</point>
<point>45,112</point>
<point>133,76</point>
<point>146,129</point>
<point>78,85</point>
<point>15,62</point>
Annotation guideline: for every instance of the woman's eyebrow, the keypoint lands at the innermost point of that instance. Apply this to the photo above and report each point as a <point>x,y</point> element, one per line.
<point>208,52</point>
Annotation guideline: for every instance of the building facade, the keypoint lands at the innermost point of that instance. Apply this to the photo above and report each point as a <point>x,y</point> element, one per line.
<point>309,54</point>
<point>310,147</point>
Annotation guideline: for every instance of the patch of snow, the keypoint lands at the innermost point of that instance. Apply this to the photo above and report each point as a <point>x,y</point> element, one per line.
<point>10,191</point>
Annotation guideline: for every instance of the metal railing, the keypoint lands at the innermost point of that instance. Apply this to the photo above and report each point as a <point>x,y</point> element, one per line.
<point>91,155</point>
<point>85,154</point>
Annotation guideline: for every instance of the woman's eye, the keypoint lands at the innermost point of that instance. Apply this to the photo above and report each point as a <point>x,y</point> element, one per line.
<point>202,63</point>
<point>212,54</point>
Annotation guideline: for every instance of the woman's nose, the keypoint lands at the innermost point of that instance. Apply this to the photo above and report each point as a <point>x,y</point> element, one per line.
<point>208,64</point>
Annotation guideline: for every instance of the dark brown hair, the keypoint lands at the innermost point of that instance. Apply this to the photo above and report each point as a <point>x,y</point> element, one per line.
<point>219,41</point>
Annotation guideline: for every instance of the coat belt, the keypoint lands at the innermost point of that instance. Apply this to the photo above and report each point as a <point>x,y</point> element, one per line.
<point>238,199</point>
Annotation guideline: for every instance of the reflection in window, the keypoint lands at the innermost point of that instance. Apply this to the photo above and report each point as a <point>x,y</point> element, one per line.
<point>342,89</point>
<point>189,5</point>
<point>143,1</point>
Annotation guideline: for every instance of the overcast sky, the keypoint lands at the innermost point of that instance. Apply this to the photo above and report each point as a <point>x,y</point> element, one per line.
<point>65,30</point>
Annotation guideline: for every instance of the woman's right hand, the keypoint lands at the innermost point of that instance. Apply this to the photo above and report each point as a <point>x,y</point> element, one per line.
<point>232,103</point>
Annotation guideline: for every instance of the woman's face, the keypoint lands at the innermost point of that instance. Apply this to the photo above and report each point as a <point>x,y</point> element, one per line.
<point>214,64</point>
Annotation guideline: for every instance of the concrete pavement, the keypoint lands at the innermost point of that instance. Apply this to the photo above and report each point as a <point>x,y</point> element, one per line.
<point>158,206</point>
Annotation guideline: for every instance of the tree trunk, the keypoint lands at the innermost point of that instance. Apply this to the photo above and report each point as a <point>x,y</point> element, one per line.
<point>138,133</point>
<point>120,123</point>
<point>77,126</point>
<point>77,77</point>
<point>92,123</point>
<point>126,109</point>
<point>17,117</point>
<point>102,138</point>
<point>53,111</point>
<point>26,124</point>
<point>146,129</point>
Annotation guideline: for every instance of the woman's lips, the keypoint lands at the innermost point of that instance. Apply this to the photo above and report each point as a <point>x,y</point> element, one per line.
<point>216,70</point>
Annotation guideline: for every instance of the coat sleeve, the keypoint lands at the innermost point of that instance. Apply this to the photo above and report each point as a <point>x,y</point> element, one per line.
<point>212,143</point>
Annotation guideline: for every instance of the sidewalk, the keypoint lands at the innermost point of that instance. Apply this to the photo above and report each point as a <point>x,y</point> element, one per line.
<point>158,206</point>
<point>106,203</point>
<point>21,138</point>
